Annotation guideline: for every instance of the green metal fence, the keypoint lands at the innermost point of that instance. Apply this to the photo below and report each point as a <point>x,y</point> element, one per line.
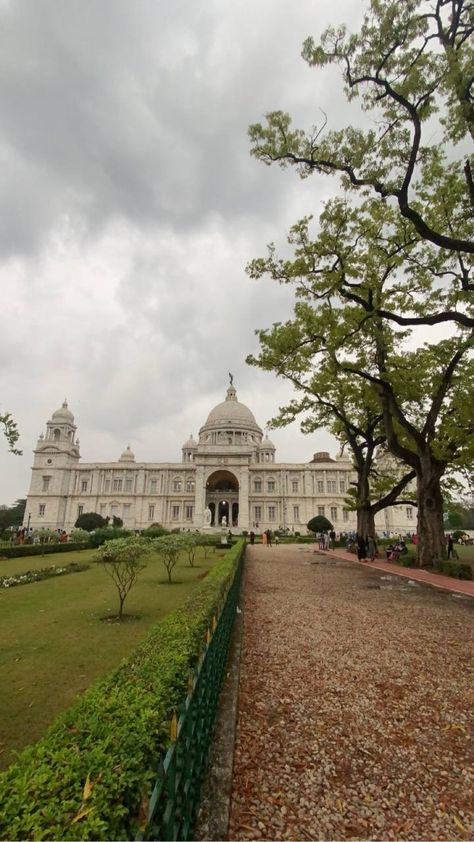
<point>175,799</point>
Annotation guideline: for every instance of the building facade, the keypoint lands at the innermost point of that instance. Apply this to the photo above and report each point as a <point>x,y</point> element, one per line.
<point>227,477</point>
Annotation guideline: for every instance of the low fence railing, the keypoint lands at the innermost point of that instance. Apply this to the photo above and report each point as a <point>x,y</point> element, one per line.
<point>175,799</point>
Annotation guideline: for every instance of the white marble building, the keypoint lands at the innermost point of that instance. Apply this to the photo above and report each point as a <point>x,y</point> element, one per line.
<point>228,473</point>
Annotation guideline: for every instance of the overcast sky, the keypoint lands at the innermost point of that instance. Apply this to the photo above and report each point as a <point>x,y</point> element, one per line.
<point>131,206</point>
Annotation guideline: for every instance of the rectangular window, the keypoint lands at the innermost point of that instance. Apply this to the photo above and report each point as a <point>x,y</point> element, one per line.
<point>126,510</point>
<point>190,485</point>
<point>409,513</point>
<point>331,484</point>
<point>80,510</point>
<point>342,485</point>
<point>41,509</point>
<point>128,485</point>
<point>320,486</point>
<point>321,511</point>
<point>333,513</point>
<point>46,481</point>
<point>153,486</point>
<point>258,512</point>
<point>175,512</point>
<point>151,512</point>
<point>257,485</point>
<point>271,485</point>
<point>296,514</point>
<point>84,485</point>
<point>189,512</point>
<point>102,508</point>
<point>271,512</point>
<point>177,485</point>
<point>345,515</point>
<point>294,485</point>
<point>117,484</point>
<point>107,485</point>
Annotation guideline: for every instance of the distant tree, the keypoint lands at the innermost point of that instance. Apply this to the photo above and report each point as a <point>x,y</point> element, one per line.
<point>122,560</point>
<point>10,431</point>
<point>79,535</point>
<point>117,522</point>
<point>319,524</point>
<point>12,515</point>
<point>90,521</point>
<point>168,548</point>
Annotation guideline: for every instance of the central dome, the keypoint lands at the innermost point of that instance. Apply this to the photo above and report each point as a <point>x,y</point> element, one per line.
<point>231,415</point>
<point>230,410</point>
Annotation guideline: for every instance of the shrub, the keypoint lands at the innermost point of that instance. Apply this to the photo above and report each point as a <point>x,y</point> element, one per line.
<point>319,524</point>
<point>456,569</point>
<point>155,531</point>
<point>90,521</point>
<point>21,550</point>
<point>87,777</point>
<point>108,533</point>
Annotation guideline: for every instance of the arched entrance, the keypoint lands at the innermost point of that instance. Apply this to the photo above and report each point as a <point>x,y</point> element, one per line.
<point>222,498</point>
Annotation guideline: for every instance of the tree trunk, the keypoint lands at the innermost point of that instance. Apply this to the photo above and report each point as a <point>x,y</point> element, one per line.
<point>122,600</point>
<point>431,543</point>
<point>365,521</point>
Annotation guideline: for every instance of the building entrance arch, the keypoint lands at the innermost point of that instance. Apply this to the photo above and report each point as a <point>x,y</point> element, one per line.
<point>222,498</point>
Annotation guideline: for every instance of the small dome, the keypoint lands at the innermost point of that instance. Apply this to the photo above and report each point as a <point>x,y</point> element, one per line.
<point>190,443</point>
<point>127,455</point>
<point>322,456</point>
<point>267,444</point>
<point>63,415</point>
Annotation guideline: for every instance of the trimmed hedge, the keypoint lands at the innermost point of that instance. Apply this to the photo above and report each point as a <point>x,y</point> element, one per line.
<point>456,569</point>
<point>20,550</point>
<point>86,778</point>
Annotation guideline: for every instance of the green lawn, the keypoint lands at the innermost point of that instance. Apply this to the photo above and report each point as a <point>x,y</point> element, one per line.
<point>53,643</point>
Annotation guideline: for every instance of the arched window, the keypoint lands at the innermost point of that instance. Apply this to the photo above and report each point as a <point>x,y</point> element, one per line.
<point>57,435</point>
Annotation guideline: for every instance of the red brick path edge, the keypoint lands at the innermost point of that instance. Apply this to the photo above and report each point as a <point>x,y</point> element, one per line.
<point>436,580</point>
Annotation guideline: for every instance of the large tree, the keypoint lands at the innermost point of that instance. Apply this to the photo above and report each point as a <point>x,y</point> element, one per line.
<point>346,273</point>
<point>411,68</point>
<point>333,399</point>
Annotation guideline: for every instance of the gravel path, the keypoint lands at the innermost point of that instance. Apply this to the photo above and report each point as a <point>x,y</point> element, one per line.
<point>355,703</point>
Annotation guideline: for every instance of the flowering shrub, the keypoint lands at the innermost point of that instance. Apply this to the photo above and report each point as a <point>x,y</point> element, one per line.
<point>38,575</point>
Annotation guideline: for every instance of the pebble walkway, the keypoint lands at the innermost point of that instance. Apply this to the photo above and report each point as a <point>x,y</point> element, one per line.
<point>355,704</point>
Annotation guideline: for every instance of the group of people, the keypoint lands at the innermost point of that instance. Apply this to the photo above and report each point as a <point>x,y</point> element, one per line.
<point>267,538</point>
<point>366,548</point>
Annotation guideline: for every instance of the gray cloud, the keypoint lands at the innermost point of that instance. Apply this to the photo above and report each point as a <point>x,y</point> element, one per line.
<point>131,206</point>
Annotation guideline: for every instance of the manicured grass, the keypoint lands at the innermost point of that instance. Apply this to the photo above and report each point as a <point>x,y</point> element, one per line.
<point>54,644</point>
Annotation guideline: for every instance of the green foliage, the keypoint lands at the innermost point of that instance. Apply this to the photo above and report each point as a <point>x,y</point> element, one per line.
<point>319,524</point>
<point>21,550</point>
<point>122,560</point>
<point>456,569</point>
<point>79,535</point>
<point>168,548</point>
<point>12,515</point>
<point>90,521</point>
<point>113,736</point>
<point>10,431</point>
<point>190,543</point>
<point>29,576</point>
<point>155,531</point>
<point>107,533</point>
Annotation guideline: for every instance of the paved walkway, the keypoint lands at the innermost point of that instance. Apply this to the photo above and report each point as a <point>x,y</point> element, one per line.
<point>436,580</point>
<point>355,703</point>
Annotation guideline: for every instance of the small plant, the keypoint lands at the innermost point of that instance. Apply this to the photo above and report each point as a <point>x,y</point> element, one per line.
<point>168,548</point>
<point>190,543</point>
<point>122,561</point>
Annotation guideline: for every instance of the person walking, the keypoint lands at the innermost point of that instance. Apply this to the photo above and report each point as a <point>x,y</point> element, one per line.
<point>264,539</point>
<point>252,537</point>
<point>269,537</point>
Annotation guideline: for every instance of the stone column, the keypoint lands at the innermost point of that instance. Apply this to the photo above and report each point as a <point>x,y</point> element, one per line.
<point>244,498</point>
<point>199,498</point>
